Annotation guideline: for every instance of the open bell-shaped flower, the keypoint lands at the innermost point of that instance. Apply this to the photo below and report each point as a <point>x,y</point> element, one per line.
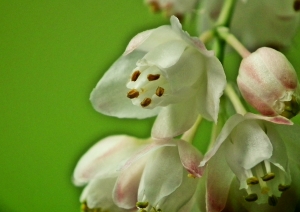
<point>257,154</point>
<point>257,23</point>
<point>163,72</point>
<point>269,83</point>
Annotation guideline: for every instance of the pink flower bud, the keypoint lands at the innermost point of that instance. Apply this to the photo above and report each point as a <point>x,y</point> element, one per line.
<point>269,83</point>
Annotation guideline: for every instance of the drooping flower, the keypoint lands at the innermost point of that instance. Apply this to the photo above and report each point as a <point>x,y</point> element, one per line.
<point>173,7</point>
<point>257,23</point>
<point>269,83</point>
<point>253,149</point>
<point>163,71</point>
<point>123,173</point>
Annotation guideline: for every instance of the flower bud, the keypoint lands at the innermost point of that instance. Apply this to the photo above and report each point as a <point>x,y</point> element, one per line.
<point>269,83</point>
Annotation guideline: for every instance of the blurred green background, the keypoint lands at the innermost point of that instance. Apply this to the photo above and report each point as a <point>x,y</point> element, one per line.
<point>52,54</point>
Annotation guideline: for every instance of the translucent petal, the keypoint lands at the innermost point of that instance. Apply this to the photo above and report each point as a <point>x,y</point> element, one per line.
<point>162,175</point>
<point>105,157</point>
<point>110,95</point>
<point>190,158</point>
<point>175,119</point>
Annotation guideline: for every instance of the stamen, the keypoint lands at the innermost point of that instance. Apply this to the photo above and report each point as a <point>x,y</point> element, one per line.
<point>133,94</point>
<point>142,204</point>
<point>263,185</point>
<point>283,187</point>
<point>268,176</point>
<point>191,175</point>
<point>146,102</point>
<point>159,91</point>
<point>85,208</point>
<point>252,181</point>
<point>251,197</point>
<point>268,166</point>
<point>297,5</point>
<point>272,200</point>
<point>135,75</point>
<point>152,77</point>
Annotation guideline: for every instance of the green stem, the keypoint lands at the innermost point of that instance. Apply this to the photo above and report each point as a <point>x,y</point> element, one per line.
<point>190,134</point>
<point>226,13</point>
<point>236,102</point>
<point>224,33</point>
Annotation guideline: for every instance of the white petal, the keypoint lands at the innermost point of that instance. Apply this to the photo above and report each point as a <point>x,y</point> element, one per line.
<point>110,95</point>
<point>211,89</point>
<point>231,123</point>
<point>147,40</point>
<point>175,119</point>
<point>162,175</point>
<point>166,54</point>
<point>105,157</point>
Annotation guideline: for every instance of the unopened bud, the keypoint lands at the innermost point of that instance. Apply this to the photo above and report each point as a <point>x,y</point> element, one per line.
<point>269,83</point>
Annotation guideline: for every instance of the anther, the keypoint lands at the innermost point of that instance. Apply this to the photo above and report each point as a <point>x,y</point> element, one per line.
<point>297,5</point>
<point>268,176</point>
<point>251,197</point>
<point>283,187</point>
<point>142,204</point>
<point>135,75</point>
<point>252,181</point>
<point>133,94</point>
<point>272,200</point>
<point>152,77</point>
<point>159,91</point>
<point>191,175</point>
<point>146,102</point>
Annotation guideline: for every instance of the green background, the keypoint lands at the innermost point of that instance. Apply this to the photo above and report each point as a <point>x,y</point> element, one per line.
<point>52,54</point>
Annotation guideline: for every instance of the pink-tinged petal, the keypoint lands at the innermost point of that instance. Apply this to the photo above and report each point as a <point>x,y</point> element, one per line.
<point>166,54</point>
<point>105,157</point>
<point>274,119</point>
<point>110,95</point>
<point>148,149</point>
<point>162,175</point>
<point>194,42</point>
<point>147,40</point>
<point>126,188</point>
<point>190,158</point>
<point>219,178</point>
<point>228,127</point>
<point>212,85</point>
<point>175,119</point>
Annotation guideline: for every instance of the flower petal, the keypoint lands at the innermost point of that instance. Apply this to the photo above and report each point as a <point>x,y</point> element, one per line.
<point>162,175</point>
<point>211,89</point>
<point>227,128</point>
<point>175,119</point>
<point>219,179</point>
<point>190,158</point>
<point>110,95</point>
<point>147,40</point>
<point>105,157</point>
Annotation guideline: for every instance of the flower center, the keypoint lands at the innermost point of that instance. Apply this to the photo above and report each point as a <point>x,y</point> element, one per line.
<point>287,105</point>
<point>85,208</point>
<point>264,186</point>
<point>144,207</point>
<point>148,87</point>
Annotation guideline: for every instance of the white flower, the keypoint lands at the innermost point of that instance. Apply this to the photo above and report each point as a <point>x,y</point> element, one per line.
<point>163,71</point>
<point>268,82</point>
<point>257,23</point>
<point>173,7</point>
<point>259,153</point>
<point>122,172</point>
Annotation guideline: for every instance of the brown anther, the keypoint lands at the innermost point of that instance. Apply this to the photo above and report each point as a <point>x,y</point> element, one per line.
<point>252,181</point>
<point>297,5</point>
<point>133,94</point>
<point>283,187</point>
<point>135,75</point>
<point>154,6</point>
<point>273,200</point>
<point>251,197</point>
<point>268,176</point>
<point>152,77</point>
<point>159,91</point>
<point>146,102</point>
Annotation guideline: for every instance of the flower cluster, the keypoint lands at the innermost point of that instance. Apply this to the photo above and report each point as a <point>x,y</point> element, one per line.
<point>251,162</point>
